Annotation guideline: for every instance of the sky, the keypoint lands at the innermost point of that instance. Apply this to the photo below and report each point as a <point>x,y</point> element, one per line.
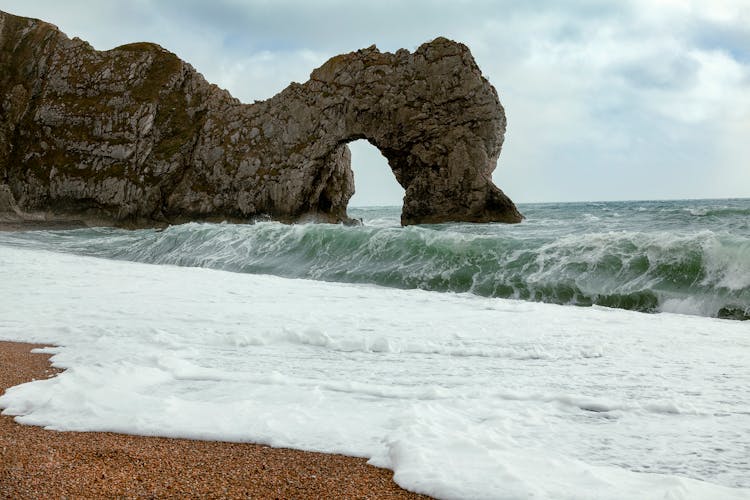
<point>605,100</point>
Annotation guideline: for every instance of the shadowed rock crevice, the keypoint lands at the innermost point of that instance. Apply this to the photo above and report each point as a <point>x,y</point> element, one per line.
<point>136,136</point>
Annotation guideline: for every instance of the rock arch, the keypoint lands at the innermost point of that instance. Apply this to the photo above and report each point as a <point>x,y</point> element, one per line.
<point>437,121</point>
<point>135,135</point>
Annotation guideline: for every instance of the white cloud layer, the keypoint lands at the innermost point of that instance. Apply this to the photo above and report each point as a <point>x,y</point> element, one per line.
<point>639,99</point>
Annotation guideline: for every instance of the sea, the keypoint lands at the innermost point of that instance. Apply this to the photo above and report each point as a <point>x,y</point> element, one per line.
<point>596,350</point>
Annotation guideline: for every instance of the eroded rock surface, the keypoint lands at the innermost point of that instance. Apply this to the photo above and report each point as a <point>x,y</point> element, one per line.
<point>136,136</point>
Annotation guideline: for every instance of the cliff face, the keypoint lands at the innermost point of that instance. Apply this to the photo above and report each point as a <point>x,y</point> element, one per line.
<point>134,135</point>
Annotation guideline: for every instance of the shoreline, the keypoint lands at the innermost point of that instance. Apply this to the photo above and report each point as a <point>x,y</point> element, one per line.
<point>36,463</point>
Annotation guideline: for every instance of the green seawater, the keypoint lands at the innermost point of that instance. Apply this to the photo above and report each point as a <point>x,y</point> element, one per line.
<point>689,256</point>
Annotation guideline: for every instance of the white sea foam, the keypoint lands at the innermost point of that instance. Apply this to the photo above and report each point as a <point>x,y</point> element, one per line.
<point>699,211</point>
<point>727,266</point>
<point>462,396</point>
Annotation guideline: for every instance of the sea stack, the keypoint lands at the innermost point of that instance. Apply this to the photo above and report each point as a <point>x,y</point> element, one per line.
<point>134,136</point>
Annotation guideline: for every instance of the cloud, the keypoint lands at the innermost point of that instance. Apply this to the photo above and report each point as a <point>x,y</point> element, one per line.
<point>605,100</point>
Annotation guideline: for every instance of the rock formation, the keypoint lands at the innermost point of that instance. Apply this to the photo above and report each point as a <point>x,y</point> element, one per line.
<point>135,136</point>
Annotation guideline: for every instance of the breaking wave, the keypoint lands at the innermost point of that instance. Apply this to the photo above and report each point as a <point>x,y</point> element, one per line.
<point>590,254</point>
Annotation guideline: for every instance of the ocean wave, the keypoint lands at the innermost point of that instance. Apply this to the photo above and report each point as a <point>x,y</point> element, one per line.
<point>718,212</point>
<point>703,272</point>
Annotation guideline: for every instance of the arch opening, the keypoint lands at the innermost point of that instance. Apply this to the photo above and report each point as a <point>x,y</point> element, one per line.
<point>374,182</point>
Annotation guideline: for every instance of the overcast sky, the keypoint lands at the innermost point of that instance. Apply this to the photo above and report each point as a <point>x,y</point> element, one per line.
<point>638,99</point>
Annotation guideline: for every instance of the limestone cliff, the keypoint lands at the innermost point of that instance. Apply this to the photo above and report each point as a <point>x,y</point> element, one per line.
<point>134,135</point>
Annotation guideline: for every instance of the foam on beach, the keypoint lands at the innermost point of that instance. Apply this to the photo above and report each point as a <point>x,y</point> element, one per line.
<point>461,396</point>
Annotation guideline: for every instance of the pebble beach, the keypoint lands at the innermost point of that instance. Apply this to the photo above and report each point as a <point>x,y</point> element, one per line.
<point>36,463</point>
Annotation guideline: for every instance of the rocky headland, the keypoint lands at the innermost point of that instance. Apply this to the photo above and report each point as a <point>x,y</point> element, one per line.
<point>134,136</point>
